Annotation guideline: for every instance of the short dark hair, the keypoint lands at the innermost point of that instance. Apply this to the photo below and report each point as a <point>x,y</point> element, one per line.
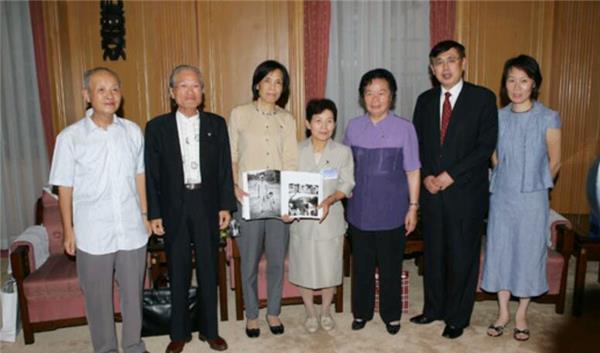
<point>444,46</point>
<point>262,71</point>
<point>375,74</point>
<point>528,65</point>
<point>318,106</point>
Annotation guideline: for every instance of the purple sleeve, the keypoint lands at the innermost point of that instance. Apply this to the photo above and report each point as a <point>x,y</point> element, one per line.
<point>411,149</point>
<point>347,141</point>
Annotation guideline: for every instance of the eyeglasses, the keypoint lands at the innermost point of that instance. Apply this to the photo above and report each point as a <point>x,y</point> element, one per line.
<point>451,60</point>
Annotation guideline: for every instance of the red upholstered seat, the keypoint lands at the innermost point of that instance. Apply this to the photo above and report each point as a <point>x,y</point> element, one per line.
<point>56,278</point>
<point>554,269</point>
<point>49,296</point>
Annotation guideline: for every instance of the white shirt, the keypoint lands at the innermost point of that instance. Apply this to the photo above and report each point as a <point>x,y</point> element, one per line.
<point>188,130</point>
<point>454,92</point>
<point>101,165</point>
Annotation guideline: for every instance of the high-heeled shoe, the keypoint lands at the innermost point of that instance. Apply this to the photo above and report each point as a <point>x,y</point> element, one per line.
<point>252,332</point>
<point>277,329</point>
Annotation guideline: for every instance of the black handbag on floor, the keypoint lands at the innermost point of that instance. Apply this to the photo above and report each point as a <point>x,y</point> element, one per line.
<point>157,311</point>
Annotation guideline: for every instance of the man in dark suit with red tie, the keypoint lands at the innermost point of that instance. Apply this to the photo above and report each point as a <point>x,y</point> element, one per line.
<point>457,127</point>
<point>190,197</point>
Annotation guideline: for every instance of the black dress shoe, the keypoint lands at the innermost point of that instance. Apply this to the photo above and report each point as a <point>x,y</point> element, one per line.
<point>252,332</point>
<point>452,332</point>
<point>358,324</point>
<point>421,320</point>
<point>392,329</point>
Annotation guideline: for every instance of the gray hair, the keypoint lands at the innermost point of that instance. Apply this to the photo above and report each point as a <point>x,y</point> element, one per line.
<point>184,67</point>
<point>88,74</point>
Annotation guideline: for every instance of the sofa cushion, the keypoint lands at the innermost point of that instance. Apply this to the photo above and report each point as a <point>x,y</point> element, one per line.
<point>56,278</point>
<point>53,291</point>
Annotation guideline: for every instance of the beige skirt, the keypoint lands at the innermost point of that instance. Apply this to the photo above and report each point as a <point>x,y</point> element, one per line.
<point>315,262</point>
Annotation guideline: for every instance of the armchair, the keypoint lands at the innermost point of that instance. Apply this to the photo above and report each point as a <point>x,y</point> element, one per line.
<point>291,294</point>
<point>557,267</point>
<point>49,296</point>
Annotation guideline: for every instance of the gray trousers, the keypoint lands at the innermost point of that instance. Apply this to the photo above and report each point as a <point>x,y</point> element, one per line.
<point>96,279</point>
<point>271,236</point>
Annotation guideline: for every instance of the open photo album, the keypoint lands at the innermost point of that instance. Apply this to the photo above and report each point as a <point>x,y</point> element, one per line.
<point>273,193</point>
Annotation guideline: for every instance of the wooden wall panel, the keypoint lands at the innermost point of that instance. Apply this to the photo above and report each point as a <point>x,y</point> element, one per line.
<point>151,47</point>
<point>495,31</point>
<point>64,95</point>
<point>231,52</point>
<point>558,35</point>
<point>215,36</point>
<point>574,93</point>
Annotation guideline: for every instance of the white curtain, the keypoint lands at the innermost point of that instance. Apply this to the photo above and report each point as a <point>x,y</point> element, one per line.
<point>370,34</point>
<point>24,155</point>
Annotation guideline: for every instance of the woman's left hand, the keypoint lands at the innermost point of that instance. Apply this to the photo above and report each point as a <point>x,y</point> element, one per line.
<point>325,206</point>
<point>410,220</point>
<point>287,219</point>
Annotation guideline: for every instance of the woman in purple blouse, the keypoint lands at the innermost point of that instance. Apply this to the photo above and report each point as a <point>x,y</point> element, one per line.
<point>383,208</point>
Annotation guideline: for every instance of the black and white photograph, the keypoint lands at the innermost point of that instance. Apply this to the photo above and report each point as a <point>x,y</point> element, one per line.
<point>273,193</point>
<point>265,194</point>
<point>303,200</point>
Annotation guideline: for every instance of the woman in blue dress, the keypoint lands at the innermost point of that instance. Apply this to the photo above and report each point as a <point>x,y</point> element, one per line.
<point>526,160</point>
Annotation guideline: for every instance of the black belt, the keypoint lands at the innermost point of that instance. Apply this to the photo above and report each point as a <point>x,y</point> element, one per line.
<point>193,186</point>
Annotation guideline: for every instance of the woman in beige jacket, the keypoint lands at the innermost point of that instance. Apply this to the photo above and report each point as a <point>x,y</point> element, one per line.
<point>316,246</point>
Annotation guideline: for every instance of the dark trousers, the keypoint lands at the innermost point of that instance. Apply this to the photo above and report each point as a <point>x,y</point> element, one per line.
<point>452,249</point>
<point>382,249</point>
<point>197,232</point>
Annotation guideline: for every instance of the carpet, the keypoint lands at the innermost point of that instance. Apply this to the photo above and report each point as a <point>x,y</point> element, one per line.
<point>550,332</point>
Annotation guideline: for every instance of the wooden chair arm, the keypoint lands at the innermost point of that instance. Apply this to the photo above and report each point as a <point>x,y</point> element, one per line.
<point>19,261</point>
<point>235,250</point>
<point>565,239</point>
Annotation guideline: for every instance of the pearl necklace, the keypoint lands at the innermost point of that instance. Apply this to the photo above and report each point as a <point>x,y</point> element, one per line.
<point>258,110</point>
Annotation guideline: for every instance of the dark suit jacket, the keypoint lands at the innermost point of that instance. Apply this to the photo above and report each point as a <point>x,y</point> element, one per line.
<point>470,141</point>
<point>164,169</point>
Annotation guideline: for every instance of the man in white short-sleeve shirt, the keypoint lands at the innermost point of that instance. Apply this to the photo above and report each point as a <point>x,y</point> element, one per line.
<point>98,166</point>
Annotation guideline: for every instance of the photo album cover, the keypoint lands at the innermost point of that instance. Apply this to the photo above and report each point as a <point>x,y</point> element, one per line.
<point>273,193</point>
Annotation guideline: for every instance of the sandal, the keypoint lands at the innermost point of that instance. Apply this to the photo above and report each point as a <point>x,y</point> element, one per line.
<point>521,335</point>
<point>495,330</point>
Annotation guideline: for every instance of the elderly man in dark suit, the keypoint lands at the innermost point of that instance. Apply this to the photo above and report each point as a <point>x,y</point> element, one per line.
<point>190,197</point>
<point>457,126</point>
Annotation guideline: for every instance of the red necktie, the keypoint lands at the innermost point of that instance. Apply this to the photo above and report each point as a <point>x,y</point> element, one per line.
<point>446,113</point>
